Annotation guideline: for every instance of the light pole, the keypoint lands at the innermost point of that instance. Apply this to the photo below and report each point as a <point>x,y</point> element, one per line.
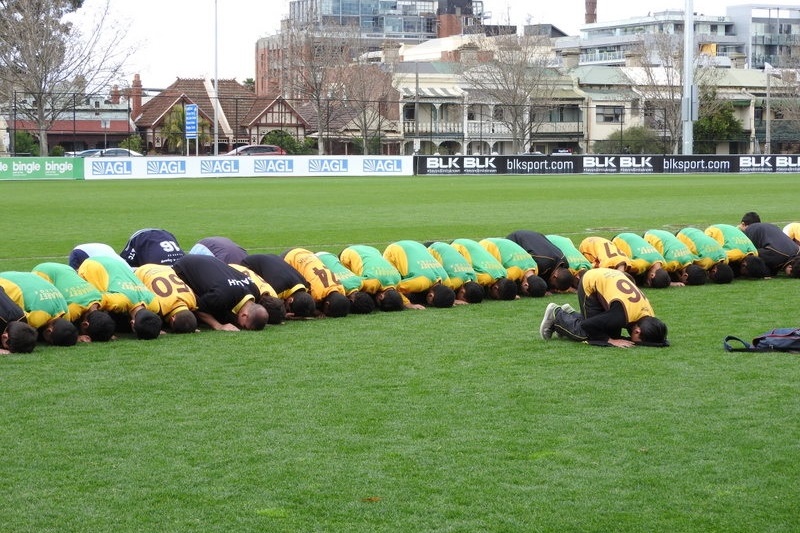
<point>216,84</point>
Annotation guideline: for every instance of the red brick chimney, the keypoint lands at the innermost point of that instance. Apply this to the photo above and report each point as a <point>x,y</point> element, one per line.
<point>136,96</point>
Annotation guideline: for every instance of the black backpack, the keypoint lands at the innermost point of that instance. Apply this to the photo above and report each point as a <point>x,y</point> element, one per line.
<point>777,340</point>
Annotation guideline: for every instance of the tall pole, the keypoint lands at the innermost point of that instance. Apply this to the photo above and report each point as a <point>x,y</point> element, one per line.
<point>688,79</point>
<point>768,112</point>
<point>216,84</point>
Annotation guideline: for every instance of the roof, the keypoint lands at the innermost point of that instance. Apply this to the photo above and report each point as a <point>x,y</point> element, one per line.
<point>432,92</point>
<point>235,101</point>
<point>68,127</point>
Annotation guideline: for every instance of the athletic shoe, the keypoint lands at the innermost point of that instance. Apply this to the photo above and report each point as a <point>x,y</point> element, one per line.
<point>546,327</point>
<point>568,308</point>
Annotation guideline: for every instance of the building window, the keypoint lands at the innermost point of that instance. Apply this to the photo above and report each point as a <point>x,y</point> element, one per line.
<point>408,112</point>
<point>610,113</point>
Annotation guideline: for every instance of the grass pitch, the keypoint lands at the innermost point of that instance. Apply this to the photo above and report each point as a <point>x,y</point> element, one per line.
<point>438,420</point>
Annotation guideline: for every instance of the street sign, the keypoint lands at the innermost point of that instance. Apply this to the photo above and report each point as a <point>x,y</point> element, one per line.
<point>191,121</point>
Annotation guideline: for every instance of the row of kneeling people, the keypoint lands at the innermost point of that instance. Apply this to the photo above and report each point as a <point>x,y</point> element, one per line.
<point>153,286</point>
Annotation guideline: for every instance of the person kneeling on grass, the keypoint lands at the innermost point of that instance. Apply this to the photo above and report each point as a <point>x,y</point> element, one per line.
<point>609,301</point>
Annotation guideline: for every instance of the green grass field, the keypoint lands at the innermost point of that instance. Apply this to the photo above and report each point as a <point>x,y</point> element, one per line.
<point>438,420</point>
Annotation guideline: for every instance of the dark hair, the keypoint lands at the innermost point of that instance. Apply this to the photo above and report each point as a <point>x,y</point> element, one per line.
<point>721,273</point>
<point>257,317</point>
<point>302,304</point>
<point>146,325</point>
<point>64,333</point>
<point>361,303</point>
<point>750,217</point>
<point>391,300</point>
<point>21,337</point>
<point>276,311</point>
<point>753,267</point>
<point>695,275</point>
<point>506,289</point>
<point>795,264</point>
<point>442,296</point>
<point>184,321</point>
<point>660,279</point>
<point>335,305</point>
<point>653,331</point>
<point>100,326</point>
<point>537,287</point>
<point>473,292</point>
<point>562,279</point>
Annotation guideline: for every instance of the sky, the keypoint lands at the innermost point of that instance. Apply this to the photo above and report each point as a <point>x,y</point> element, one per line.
<point>175,38</point>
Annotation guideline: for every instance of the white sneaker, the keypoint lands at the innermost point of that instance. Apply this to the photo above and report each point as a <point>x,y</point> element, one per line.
<point>546,327</point>
<point>568,308</point>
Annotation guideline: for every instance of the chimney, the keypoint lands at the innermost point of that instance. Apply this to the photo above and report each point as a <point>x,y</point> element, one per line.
<point>570,58</point>
<point>115,95</point>
<point>633,59</point>
<point>468,53</point>
<point>391,51</point>
<point>136,96</point>
<point>737,60</point>
<point>591,11</point>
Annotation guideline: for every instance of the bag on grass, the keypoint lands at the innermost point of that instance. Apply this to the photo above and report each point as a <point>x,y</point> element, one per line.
<point>777,340</point>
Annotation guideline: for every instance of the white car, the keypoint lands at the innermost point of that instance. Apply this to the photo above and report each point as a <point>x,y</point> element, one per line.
<point>116,152</point>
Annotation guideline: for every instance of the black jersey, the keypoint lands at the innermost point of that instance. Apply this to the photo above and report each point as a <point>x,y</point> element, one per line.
<point>9,311</point>
<point>222,248</point>
<point>548,256</point>
<point>151,246</point>
<point>282,276</point>
<point>221,289</point>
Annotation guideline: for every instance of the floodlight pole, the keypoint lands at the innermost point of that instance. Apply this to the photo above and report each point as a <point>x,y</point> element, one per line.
<point>216,83</point>
<point>688,63</point>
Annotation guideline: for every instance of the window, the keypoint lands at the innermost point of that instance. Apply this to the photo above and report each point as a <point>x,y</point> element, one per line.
<point>608,113</point>
<point>408,112</point>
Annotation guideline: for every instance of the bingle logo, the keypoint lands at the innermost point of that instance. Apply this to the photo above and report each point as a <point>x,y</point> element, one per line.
<point>112,168</point>
<point>383,165</point>
<point>213,166</point>
<point>166,167</point>
<point>273,165</point>
<point>327,165</point>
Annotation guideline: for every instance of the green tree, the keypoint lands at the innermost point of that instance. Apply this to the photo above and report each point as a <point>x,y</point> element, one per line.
<point>134,142</point>
<point>25,143</point>
<point>718,125</point>
<point>289,143</point>
<point>634,140</point>
<point>173,131</point>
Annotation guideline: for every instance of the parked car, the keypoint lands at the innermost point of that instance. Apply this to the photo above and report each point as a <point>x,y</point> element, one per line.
<point>115,152</point>
<point>258,149</point>
<point>83,153</point>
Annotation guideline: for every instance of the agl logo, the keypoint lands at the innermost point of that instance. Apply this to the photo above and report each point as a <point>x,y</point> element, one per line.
<point>166,167</point>
<point>383,165</point>
<point>112,168</point>
<point>327,165</point>
<point>222,166</point>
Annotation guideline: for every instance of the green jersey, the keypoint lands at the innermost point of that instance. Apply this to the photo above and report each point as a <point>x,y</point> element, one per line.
<point>349,279</point>
<point>79,293</point>
<point>40,299</point>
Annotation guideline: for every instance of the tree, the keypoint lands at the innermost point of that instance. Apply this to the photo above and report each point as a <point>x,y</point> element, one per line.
<point>45,60</point>
<point>659,80</point>
<point>716,124</point>
<point>634,140</point>
<point>173,130</point>
<point>367,90</point>
<point>134,142</point>
<point>291,145</point>
<point>517,79</point>
<point>315,54</point>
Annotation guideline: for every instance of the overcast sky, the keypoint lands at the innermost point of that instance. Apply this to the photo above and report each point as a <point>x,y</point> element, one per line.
<point>175,38</point>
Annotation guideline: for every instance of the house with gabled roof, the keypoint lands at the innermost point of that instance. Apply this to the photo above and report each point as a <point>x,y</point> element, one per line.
<point>234,104</point>
<point>271,113</point>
